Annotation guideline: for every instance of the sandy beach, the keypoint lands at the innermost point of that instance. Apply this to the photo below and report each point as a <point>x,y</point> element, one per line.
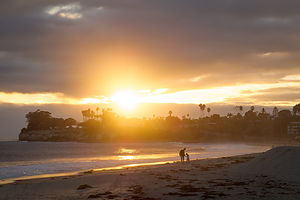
<point>270,175</point>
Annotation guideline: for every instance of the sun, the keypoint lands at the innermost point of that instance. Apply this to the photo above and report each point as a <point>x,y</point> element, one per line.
<point>127,100</point>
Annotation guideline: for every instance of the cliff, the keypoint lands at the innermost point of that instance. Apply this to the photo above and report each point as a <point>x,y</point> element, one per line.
<point>59,135</point>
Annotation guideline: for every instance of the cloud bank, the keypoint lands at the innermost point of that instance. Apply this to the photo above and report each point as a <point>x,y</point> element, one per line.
<point>92,48</point>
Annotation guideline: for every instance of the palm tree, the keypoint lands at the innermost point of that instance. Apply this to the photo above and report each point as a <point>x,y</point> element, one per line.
<point>89,113</point>
<point>86,114</point>
<point>97,110</point>
<point>83,114</point>
<point>92,114</point>
<point>229,115</point>
<point>296,109</point>
<point>275,112</point>
<point>241,109</point>
<point>208,110</point>
<point>202,108</point>
<point>170,113</point>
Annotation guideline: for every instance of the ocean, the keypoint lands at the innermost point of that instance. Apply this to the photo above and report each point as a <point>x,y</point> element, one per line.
<point>31,159</point>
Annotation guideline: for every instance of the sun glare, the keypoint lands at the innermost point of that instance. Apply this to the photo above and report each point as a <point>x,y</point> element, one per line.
<point>127,100</point>
<point>126,157</point>
<point>90,101</point>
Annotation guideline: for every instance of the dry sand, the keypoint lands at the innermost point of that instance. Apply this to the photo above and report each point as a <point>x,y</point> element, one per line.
<point>281,163</point>
<point>270,175</point>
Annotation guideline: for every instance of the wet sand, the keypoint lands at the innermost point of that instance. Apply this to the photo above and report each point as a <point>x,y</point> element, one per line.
<point>199,179</point>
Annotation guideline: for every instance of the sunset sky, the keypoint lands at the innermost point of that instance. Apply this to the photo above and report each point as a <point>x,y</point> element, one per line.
<point>129,52</point>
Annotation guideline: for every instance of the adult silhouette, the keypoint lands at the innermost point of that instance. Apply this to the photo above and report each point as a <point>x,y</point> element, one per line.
<point>182,154</point>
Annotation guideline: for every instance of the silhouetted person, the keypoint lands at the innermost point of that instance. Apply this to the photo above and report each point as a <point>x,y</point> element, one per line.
<point>187,157</point>
<point>182,154</point>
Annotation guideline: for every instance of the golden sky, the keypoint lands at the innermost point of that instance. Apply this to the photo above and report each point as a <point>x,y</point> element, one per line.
<point>134,52</point>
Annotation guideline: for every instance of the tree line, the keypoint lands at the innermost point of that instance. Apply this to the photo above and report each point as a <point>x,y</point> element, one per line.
<point>240,126</point>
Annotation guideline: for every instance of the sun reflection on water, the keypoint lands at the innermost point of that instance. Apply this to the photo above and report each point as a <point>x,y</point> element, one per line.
<point>126,157</point>
<point>145,156</point>
<point>124,150</point>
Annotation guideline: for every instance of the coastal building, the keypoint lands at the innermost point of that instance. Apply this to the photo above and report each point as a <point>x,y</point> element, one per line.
<point>294,128</point>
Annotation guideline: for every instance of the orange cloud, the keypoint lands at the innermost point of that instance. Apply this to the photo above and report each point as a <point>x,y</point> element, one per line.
<point>230,94</point>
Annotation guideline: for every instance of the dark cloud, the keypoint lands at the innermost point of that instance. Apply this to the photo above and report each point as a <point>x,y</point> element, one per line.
<point>166,41</point>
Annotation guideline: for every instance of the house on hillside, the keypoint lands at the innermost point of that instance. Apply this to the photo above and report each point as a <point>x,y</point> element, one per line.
<point>294,128</point>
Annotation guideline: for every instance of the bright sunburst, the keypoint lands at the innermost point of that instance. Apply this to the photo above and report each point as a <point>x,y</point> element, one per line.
<point>127,100</point>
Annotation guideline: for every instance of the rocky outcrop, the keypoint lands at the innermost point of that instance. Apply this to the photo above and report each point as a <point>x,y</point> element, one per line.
<point>66,134</point>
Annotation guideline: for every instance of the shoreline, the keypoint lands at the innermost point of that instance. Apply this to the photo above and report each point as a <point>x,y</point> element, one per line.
<point>74,173</point>
<point>207,178</point>
<point>109,169</point>
<point>72,162</point>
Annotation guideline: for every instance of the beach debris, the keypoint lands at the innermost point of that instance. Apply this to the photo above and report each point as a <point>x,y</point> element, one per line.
<point>89,172</point>
<point>189,188</point>
<point>98,195</point>
<point>226,182</point>
<point>82,187</point>
<point>180,194</point>
<point>142,198</point>
<point>172,185</point>
<point>179,170</point>
<point>105,193</point>
<point>213,194</point>
<point>166,177</point>
<point>136,189</point>
<point>112,196</point>
<point>220,165</point>
<point>93,196</point>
